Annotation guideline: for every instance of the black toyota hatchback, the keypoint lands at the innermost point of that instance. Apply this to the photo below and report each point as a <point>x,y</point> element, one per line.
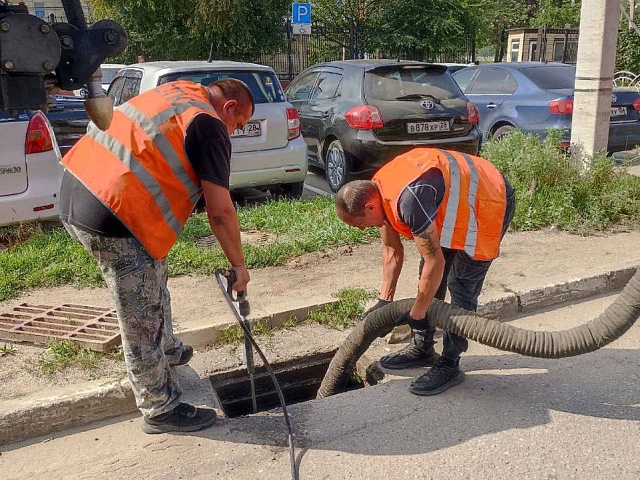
<point>358,114</point>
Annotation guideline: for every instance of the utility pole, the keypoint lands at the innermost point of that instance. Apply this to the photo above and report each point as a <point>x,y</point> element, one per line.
<point>599,21</point>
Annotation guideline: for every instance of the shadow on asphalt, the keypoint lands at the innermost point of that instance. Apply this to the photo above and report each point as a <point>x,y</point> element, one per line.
<point>500,393</point>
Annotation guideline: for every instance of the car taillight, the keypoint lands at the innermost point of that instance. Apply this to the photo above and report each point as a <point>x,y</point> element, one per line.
<point>364,117</point>
<point>38,135</point>
<point>636,104</point>
<point>293,124</point>
<point>561,107</point>
<point>473,116</point>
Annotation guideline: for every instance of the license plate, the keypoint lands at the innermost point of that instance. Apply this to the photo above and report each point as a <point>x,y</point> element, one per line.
<point>427,127</point>
<point>250,130</point>
<point>618,111</point>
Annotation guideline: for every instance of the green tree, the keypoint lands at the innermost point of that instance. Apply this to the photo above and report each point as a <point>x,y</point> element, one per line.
<point>557,14</point>
<point>628,50</point>
<point>187,29</point>
<point>405,28</point>
<point>495,17</point>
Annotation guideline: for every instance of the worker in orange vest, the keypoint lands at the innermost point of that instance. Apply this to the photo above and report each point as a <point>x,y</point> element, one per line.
<point>126,194</point>
<point>456,208</point>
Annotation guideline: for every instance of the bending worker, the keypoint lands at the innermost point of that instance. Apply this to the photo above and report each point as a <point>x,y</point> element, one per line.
<point>456,207</point>
<point>126,195</point>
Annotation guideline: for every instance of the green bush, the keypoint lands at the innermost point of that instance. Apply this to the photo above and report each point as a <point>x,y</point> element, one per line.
<point>551,191</point>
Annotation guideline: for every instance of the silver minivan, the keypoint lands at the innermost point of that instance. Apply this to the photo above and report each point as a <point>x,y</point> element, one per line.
<point>268,153</point>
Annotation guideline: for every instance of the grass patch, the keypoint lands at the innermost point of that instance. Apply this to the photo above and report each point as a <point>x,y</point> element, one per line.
<point>8,349</point>
<point>60,355</point>
<point>338,315</point>
<point>46,257</point>
<point>345,312</point>
<point>551,191</point>
<point>234,335</point>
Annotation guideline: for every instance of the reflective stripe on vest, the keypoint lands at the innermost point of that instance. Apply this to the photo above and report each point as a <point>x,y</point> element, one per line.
<point>139,169</point>
<point>472,211</point>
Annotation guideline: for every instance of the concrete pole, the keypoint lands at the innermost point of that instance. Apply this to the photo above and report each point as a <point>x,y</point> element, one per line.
<point>599,21</point>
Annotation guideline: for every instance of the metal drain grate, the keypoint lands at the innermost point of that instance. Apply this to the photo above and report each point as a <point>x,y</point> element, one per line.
<point>95,328</point>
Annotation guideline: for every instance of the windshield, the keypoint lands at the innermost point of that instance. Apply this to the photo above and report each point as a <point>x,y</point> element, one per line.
<point>109,73</point>
<point>264,86</point>
<point>409,83</point>
<point>552,78</point>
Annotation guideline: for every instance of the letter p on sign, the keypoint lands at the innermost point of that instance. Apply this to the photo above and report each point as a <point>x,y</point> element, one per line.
<point>301,12</point>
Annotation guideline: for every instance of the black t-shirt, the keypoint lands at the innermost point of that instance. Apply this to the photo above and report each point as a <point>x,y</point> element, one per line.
<point>419,201</point>
<point>208,149</point>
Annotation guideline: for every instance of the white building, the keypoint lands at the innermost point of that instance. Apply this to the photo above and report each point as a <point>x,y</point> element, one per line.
<point>52,11</point>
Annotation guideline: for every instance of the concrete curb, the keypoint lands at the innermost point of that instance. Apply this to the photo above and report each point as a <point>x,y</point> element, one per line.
<point>45,413</point>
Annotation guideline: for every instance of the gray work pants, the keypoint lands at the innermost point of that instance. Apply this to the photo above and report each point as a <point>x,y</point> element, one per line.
<point>138,283</point>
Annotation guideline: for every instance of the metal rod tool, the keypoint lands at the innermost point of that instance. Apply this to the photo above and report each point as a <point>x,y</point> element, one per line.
<point>241,308</point>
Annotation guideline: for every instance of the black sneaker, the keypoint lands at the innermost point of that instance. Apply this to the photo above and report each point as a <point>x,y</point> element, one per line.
<point>440,377</point>
<point>183,418</point>
<point>410,356</point>
<point>185,356</point>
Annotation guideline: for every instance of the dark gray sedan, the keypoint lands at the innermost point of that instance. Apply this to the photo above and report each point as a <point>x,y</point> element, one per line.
<point>357,115</point>
<point>536,96</point>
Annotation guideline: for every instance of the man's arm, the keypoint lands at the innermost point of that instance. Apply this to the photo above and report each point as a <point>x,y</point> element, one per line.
<point>224,224</point>
<point>428,244</point>
<point>392,258</point>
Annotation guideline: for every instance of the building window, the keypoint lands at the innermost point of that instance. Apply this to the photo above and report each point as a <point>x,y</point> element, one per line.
<point>515,50</point>
<point>558,50</point>
<point>38,9</point>
<point>569,56</point>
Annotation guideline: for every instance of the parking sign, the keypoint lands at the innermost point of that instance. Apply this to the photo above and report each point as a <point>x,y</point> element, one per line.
<point>301,13</point>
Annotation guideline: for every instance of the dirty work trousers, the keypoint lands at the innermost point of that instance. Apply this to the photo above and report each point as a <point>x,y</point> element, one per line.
<point>464,277</point>
<point>138,283</point>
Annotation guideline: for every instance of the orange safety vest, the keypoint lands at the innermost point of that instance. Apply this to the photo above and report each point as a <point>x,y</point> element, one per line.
<point>139,169</point>
<point>471,214</point>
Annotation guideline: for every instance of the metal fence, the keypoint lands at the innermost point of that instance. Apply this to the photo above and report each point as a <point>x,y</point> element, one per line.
<point>324,44</point>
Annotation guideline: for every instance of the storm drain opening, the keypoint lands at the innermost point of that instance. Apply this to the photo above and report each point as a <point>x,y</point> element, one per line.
<point>299,380</point>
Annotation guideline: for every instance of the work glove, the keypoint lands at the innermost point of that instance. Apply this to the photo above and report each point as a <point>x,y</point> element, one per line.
<point>381,303</point>
<point>406,318</point>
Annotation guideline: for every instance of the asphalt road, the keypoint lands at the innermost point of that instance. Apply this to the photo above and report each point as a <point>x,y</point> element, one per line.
<point>513,418</point>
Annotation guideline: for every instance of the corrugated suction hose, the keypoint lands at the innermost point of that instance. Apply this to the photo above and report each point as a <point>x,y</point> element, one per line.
<point>591,336</point>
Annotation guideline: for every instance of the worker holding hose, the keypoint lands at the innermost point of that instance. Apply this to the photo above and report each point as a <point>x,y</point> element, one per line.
<point>456,207</point>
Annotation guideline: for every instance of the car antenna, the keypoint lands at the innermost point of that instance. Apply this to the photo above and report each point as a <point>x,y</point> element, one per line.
<point>210,53</point>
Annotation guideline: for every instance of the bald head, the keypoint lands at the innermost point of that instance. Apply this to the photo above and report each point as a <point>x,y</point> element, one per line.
<point>353,196</point>
<point>233,89</point>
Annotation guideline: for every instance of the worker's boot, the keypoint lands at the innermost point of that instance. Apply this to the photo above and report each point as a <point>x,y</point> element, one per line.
<point>180,355</point>
<point>444,374</point>
<point>183,418</point>
<point>419,352</point>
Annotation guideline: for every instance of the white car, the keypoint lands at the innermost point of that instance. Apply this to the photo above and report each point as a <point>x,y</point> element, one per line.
<point>269,153</point>
<point>109,71</point>
<point>30,172</point>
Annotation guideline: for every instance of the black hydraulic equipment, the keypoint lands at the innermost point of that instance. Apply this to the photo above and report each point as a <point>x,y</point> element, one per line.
<point>36,55</point>
<point>240,308</point>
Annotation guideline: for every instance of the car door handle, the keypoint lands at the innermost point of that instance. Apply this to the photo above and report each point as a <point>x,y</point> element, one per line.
<point>491,106</point>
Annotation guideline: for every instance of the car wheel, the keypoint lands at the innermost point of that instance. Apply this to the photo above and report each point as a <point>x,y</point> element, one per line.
<point>503,131</point>
<point>288,191</point>
<point>337,166</point>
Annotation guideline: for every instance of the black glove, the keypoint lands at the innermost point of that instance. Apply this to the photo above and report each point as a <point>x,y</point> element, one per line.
<point>381,303</point>
<point>405,318</point>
